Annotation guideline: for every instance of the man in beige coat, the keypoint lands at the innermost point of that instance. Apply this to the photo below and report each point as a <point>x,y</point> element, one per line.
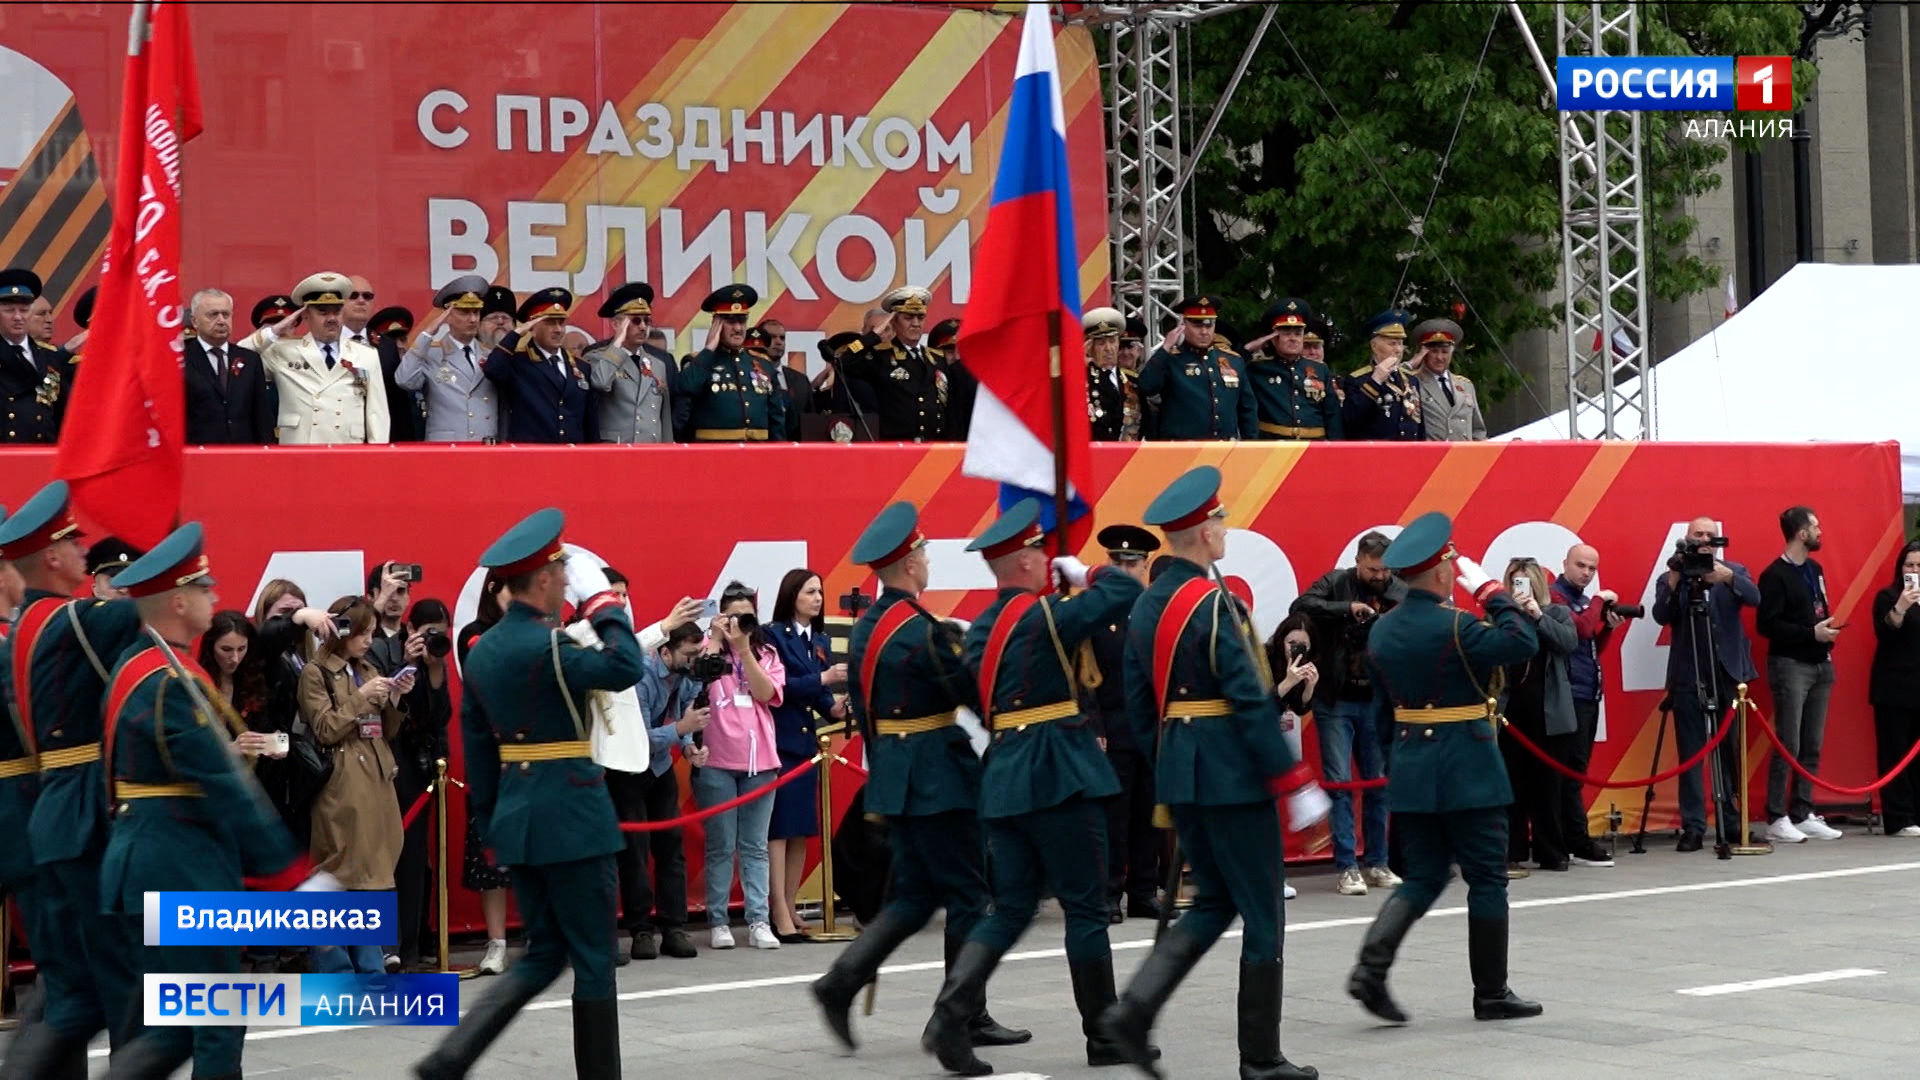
<point>1449,405</point>
<point>331,388</point>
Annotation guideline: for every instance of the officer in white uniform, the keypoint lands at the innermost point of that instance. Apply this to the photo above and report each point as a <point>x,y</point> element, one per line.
<point>331,390</point>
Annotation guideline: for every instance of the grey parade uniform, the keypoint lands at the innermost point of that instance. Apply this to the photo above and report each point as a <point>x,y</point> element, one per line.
<point>635,402</point>
<point>462,405</point>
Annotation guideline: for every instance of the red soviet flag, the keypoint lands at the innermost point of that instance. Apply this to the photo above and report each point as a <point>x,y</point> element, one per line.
<point>121,440</point>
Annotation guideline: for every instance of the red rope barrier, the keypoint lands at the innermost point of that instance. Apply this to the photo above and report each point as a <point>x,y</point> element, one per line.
<point>419,804</point>
<point>849,766</point>
<point>1780,749</point>
<point>1354,785</point>
<point>1591,781</point>
<point>785,778</point>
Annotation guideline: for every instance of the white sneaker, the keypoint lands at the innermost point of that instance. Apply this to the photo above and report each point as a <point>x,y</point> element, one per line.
<point>1379,877</point>
<point>1816,827</point>
<point>722,938</point>
<point>760,936</point>
<point>1291,892</point>
<point>1350,883</point>
<point>1911,830</point>
<point>1784,832</point>
<point>495,961</point>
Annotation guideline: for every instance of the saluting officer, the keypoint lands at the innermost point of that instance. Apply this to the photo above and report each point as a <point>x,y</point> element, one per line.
<point>905,678</point>
<point>1044,791</point>
<point>1295,394</point>
<point>331,389</point>
<point>631,376</point>
<point>1113,396</point>
<point>62,649</point>
<point>538,801</point>
<point>445,368</point>
<point>723,393</point>
<point>1199,694</point>
<point>1448,785</point>
<point>1448,401</point>
<point>1382,401</point>
<point>188,815</point>
<point>907,376</point>
<point>35,377</point>
<point>1202,390</point>
<point>1133,843</point>
<point>542,383</point>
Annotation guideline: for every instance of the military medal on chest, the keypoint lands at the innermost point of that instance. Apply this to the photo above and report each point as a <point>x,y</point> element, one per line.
<point>1228,375</point>
<point>48,392</point>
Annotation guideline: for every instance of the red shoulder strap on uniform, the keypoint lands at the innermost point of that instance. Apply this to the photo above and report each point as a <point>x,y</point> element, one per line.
<point>137,669</point>
<point>1166,636</point>
<point>889,624</point>
<point>997,638</point>
<point>26,633</point>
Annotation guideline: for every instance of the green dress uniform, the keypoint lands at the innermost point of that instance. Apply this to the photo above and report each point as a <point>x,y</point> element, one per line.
<point>1295,396</point>
<point>905,678</point>
<point>540,803</point>
<point>1043,794</point>
<point>1219,762</point>
<point>62,650</point>
<point>1447,783</point>
<point>1202,391</point>
<point>726,395</point>
<point>187,813</point>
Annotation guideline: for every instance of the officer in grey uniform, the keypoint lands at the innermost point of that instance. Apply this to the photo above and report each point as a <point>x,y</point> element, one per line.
<point>632,377</point>
<point>444,367</point>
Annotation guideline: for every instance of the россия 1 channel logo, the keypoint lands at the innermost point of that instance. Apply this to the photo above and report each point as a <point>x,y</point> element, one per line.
<point>1675,83</point>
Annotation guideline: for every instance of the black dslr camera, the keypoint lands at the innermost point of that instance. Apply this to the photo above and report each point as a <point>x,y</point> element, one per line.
<point>707,668</point>
<point>437,642</point>
<point>1694,559</point>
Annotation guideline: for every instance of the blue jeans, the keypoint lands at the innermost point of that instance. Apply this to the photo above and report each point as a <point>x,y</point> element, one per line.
<point>348,960</point>
<point>742,831</point>
<point>1349,734</point>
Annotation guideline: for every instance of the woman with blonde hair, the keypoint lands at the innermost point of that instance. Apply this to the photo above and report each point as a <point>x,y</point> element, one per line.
<point>1539,704</point>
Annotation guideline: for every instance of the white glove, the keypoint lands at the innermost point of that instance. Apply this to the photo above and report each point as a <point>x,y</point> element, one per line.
<point>1468,573</point>
<point>584,579</point>
<point>1071,570</point>
<point>321,882</point>
<point>1307,807</point>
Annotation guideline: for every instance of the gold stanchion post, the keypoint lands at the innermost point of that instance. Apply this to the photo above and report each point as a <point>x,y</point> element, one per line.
<point>829,930</point>
<point>1746,846</point>
<point>442,912</point>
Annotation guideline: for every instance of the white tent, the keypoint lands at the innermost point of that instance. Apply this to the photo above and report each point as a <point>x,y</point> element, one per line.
<point>1821,356</point>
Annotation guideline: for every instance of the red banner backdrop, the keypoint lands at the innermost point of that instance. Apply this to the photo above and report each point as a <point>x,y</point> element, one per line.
<point>684,521</point>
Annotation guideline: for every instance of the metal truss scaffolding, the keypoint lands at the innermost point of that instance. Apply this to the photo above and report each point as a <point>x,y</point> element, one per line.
<point>1144,114</point>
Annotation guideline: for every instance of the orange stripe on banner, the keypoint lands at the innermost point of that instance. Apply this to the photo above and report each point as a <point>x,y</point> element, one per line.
<point>1139,482</point>
<point>1245,493</point>
<point>92,208</point>
<point>49,192</point>
<point>1585,494</point>
<point>1875,565</point>
<point>1451,484</point>
<point>929,475</point>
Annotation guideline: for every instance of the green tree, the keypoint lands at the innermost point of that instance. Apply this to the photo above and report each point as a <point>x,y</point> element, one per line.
<point>1318,182</point>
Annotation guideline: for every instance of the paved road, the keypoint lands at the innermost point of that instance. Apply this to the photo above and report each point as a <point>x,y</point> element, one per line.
<point>1609,951</point>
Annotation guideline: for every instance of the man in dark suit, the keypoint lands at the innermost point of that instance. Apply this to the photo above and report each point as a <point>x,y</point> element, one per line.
<point>1724,588</point>
<point>228,396</point>
<point>358,324</point>
<point>769,339</point>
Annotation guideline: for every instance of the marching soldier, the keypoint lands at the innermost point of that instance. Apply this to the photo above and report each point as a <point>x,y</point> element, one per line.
<point>540,381</point>
<point>1295,394</point>
<point>62,650</point>
<point>1199,694</point>
<point>1448,401</point>
<point>905,678</point>
<point>1133,843</point>
<point>1202,389</point>
<point>1382,400</point>
<point>907,376</point>
<point>1043,794</point>
<point>631,376</point>
<point>724,393</point>
<point>1448,785</point>
<point>446,368</point>
<point>1113,398</point>
<point>35,377</point>
<point>538,801</point>
<point>19,787</point>
<point>188,815</point>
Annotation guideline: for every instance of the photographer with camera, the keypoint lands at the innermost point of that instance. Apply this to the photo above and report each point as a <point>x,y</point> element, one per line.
<point>426,711</point>
<point>1594,619</point>
<point>742,759</point>
<point>1800,630</point>
<point>389,589</point>
<point>1699,597</point>
<point>654,898</point>
<point>1342,607</point>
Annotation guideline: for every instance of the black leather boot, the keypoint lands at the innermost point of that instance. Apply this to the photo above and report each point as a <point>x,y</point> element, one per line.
<point>39,1053</point>
<point>1368,983</point>
<point>962,998</point>
<point>1487,958</point>
<point>854,969</point>
<point>1093,996</point>
<point>596,1039</point>
<point>1128,1022</point>
<point>1259,1026</point>
<point>982,1029</point>
<point>482,1024</point>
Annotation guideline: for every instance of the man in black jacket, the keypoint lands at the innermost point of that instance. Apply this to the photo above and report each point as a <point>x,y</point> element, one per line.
<point>1342,606</point>
<point>1800,632</point>
<point>229,397</point>
<point>1133,844</point>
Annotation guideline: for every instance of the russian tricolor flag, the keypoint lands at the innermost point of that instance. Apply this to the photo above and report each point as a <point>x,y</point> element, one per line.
<point>1026,283</point>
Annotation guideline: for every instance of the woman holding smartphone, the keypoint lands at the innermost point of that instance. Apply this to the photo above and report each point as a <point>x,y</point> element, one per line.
<point>1894,691</point>
<point>1539,702</point>
<point>742,758</point>
<point>1288,651</point>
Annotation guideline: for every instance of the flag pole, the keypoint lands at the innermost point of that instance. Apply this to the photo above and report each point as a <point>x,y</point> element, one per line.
<point>1058,381</point>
